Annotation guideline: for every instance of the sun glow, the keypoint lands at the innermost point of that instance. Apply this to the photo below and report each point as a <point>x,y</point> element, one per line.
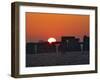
<point>51,40</point>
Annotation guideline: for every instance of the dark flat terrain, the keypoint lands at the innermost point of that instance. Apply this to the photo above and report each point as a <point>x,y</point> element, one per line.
<point>53,59</point>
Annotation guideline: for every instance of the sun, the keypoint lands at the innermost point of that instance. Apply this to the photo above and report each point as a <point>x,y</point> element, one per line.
<point>51,40</point>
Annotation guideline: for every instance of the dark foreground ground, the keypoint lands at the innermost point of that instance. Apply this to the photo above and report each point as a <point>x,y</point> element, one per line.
<point>53,59</point>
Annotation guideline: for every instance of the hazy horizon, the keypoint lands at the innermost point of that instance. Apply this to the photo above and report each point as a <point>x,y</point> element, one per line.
<point>41,26</point>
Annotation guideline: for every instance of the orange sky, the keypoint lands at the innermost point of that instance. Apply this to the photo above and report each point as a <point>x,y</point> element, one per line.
<point>41,26</point>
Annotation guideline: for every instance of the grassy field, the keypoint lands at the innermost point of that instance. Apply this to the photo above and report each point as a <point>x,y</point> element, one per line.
<point>53,59</point>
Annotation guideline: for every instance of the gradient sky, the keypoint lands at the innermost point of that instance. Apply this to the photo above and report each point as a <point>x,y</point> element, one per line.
<point>41,26</point>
